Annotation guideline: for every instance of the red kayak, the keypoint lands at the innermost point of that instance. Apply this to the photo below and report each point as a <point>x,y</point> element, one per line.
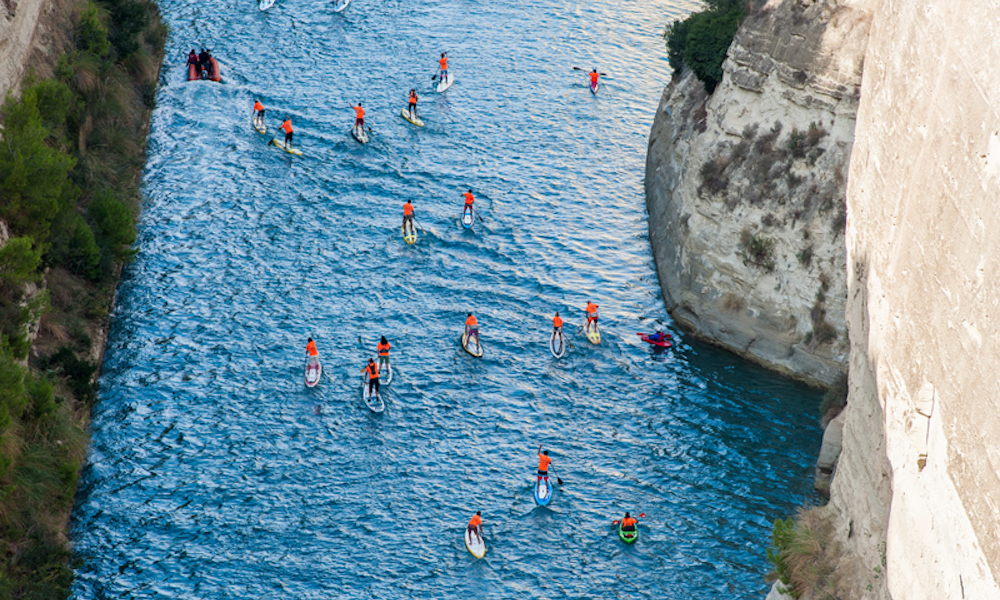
<point>663,343</point>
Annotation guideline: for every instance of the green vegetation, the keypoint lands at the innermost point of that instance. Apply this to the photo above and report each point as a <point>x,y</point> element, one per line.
<point>71,154</point>
<point>701,41</point>
<point>805,555</point>
<point>757,250</point>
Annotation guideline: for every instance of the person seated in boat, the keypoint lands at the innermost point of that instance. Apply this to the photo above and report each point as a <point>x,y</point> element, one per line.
<point>408,214</point>
<point>287,126</point>
<point>543,464</point>
<point>312,352</point>
<point>258,113</point>
<point>557,325</point>
<point>203,64</point>
<point>383,352</point>
<point>193,60</point>
<point>468,203</point>
<point>372,370</point>
<point>591,315</point>
<point>359,118</point>
<point>659,336</point>
<point>443,63</point>
<point>594,75</point>
<point>628,522</point>
<point>471,329</point>
<point>476,526</point>
<point>412,106</point>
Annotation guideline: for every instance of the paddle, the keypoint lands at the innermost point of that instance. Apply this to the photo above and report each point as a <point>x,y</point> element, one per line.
<point>579,69</point>
<point>559,481</point>
<point>617,521</point>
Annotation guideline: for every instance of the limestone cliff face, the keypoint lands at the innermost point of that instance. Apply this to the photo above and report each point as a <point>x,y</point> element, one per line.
<point>745,189</point>
<point>31,32</point>
<point>918,482</point>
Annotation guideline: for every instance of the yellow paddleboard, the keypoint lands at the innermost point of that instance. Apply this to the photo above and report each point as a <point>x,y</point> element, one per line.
<point>280,145</point>
<point>409,234</point>
<point>593,334</point>
<point>474,349</point>
<point>406,115</point>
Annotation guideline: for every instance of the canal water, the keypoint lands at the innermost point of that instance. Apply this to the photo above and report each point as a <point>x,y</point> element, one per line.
<point>215,473</point>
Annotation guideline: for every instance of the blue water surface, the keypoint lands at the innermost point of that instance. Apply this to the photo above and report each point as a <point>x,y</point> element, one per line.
<point>215,473</point>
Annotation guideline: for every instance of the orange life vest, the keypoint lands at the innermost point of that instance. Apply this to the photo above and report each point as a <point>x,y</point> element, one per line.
<point>444,63</point>
<point>543,462</point>
<point>593,77</point>
<point>383,349</point>
<point>372,369</point>
<point>468,199</point>
<point>475,521</point>
<point>471,321</point>
<point>311,349</point>
<point>407,210</point>
<point>557,322</point>
<point>413,97</point>
<point>360,111</point>
<point>287,126</point>
<point>258,106</point>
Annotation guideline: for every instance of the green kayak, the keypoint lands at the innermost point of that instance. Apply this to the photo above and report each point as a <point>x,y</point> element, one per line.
<point>628,536</point>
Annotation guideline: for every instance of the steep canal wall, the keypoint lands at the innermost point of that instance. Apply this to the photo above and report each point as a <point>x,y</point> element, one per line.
<point>745,189</point>
<point>906,97</point>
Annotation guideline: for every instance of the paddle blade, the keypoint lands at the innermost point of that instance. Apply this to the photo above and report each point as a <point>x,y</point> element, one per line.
<point>641,515</point>
<point>615,522</point>
<point>559,481</point>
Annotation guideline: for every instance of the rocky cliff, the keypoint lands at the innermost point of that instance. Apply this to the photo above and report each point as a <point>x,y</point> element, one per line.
<point>918,483</point>
<point>31,33</point>
<point>745,188</point>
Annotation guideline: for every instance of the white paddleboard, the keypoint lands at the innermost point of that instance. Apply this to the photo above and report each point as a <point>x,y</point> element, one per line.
<point>280,145</point>
<point>446,83</point>
<point>359,134</point>
<point>472,348</point>
<point>264,4</point>
<point>374,402</point>
<point>339,6</point>
<point>557,346</point>
<point>261,127</point>
<point>314,370</point>
<point>468,217</point>
<point>405,112</point>
<point>386,379</point>
<point>476,545</point>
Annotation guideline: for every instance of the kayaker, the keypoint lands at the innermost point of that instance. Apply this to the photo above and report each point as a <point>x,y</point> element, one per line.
<point>471,328</point>
<point>557,326</point>
<point>469,199</point>
<point>258,112</point>
<point>359,118</point>
<point>312,352</point>
<point>476,525</point>
<point>591,314</point>
<point>628,523</point>
<point>413,104</point>
<point>287,126</point>
<point>443,63</point>
<point>543,464</point>
<point>372,370</point>
<point>408,214</point>
<point>383,352</point>
<point>659,336</point>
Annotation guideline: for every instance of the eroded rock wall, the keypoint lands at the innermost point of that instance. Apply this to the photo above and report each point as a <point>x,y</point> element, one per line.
<point>745,189</point>
<point>918,483</point>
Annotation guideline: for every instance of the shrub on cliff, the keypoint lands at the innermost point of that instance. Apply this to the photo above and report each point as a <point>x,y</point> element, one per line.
<point>702,40</point>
